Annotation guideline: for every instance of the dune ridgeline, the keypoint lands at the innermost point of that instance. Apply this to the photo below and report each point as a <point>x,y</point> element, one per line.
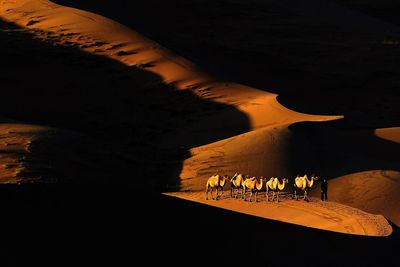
<point>86,99</point>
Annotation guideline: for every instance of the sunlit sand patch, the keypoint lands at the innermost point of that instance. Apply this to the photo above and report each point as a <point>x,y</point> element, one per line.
<point>329,216</point>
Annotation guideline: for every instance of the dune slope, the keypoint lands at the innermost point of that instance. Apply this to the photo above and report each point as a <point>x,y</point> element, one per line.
<point>159,113</point>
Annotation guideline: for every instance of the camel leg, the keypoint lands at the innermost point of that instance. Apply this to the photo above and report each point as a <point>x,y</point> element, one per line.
<point>255,198</point>
<point>295,195</point>
<point>251,193</point>
<point>306,196</point>
<point>266,193</point>
<point>206,193</point>
<point>277,197</point>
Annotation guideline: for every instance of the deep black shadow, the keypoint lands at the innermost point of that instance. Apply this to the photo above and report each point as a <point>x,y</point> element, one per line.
<point>114,119</point>
<point>330,150</point>
<point>386,10</point>
<point>319,56</point>
<point>113,225</point>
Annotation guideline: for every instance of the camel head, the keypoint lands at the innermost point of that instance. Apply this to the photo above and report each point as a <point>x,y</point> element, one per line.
<point>315,178</point>
<point>285,180</point>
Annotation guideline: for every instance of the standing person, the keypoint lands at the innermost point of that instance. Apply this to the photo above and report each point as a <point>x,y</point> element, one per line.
<point>324,190</point>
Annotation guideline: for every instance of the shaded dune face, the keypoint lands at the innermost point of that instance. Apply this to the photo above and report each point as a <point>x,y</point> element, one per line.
<point>386,10</point>
<point>134,106</point>
<point>355,163</point>
<point>320,58</point>
<point>186,237</point>
<point>121,109</point>
<point>115,123</point>
<point>334,152</point>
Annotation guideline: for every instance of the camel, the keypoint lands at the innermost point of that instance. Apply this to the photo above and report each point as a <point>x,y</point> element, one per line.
<point>274,185</point>
<point>217,182</point>
<point>304,184</point>
<point>236,184</point>
<point>254,185</point>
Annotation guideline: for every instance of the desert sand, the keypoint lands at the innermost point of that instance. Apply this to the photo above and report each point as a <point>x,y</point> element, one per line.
<point>316,213</point>
<point>90,101</point>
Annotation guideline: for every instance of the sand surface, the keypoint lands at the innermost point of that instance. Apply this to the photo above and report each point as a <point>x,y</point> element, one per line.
<point>329,216</point>
<point>126,108</point>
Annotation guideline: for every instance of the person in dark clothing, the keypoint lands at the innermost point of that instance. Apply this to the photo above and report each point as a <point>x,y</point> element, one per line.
<point>324,190</point>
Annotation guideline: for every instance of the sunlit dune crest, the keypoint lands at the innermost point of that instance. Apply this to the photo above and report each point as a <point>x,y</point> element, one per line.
<point>247,131</point>
<point>391,134</point>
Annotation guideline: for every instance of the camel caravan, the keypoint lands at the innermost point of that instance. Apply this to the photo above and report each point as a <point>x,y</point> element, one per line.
<point>240,185</point>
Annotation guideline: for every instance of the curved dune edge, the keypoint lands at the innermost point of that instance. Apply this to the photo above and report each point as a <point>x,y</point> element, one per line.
<point>15,144</point>
<point>328,216</point>
<point>390,134</point>
<point>259,152</point>
<point>374,191</point>
<point>102,36</point>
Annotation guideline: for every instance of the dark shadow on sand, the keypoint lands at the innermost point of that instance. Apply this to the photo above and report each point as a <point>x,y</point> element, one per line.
<point>113,118</point>
<point>330,150</point>
<point>319,56</point>
<point>93,229</point>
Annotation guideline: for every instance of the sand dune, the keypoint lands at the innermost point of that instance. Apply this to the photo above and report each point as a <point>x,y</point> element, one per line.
<point>167,116</point>
<point>319,56</point>
<point>373,191</point>
<point>95,34</point>
<point>317,214</point>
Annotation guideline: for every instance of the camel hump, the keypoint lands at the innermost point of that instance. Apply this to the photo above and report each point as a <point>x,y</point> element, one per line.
<point>222,180</point>
<point>275,182</point>
<point>250,183</point>
<point>213,180</point>
<point>259,185</point>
